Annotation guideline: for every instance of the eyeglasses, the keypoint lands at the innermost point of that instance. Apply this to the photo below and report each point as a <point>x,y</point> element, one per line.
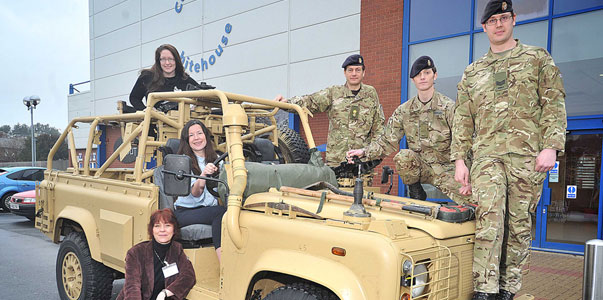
<point>168,59</point>
<point>502,19</point>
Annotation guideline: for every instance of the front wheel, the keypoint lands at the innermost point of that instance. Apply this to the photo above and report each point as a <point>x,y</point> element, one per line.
<point>78,275</point>
<point>301,291</point>
<point>5,200</point>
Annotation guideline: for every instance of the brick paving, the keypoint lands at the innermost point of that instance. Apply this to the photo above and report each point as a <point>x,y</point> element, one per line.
<point>553,276</point>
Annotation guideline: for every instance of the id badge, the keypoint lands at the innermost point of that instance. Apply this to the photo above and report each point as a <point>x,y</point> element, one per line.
<point>170,270</point>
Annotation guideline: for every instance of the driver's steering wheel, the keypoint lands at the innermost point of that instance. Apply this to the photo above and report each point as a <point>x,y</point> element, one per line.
<point>212,186</point>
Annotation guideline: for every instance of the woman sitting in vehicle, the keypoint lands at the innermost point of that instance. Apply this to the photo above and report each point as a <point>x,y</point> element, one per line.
<point>200,207</point>
<point>170,275</point>
<point>166,75</point>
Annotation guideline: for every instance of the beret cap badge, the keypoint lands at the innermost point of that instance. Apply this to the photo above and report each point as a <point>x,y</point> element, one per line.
<point>504,5</point>
<point>429,62</point>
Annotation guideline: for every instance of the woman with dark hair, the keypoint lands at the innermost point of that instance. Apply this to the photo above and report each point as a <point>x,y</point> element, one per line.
<point>170,275</point>
<point>200,207</point>
<point>166,75</point>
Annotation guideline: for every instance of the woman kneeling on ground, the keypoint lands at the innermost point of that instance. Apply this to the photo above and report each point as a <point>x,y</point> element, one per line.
<point>171,274</point>
<point>200,207</point>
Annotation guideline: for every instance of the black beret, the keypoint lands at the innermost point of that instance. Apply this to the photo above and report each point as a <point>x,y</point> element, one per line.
<point>495,7</point>
<point>422,63</point>
<point>353,60</point>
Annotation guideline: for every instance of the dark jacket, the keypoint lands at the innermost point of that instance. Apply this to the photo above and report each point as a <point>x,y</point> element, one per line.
<point>140,272</point>
<point>141,88</point>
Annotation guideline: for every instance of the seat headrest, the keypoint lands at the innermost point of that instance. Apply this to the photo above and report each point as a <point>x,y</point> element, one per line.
<point>171,146</point>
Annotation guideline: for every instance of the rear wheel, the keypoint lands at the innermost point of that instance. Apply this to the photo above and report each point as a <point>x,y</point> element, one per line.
<point>78,275</point>
<point>5,200</point>
<point>301,291</point>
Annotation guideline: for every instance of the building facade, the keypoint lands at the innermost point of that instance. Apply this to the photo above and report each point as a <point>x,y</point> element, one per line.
<point>294,47</point>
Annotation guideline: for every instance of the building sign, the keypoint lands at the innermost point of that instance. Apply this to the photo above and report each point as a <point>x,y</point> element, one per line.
<point>571,192</point>
<point>191,66</point>
<point>554,173</point>
<point>178,6</point>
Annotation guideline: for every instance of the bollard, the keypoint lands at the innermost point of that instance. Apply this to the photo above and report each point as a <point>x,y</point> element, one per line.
<point>592,286</point>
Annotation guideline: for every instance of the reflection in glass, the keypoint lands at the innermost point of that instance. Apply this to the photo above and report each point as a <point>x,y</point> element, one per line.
<point>525,10</point>
<point>564,6</point>
<point>451,57</point>
<point>580,57</point>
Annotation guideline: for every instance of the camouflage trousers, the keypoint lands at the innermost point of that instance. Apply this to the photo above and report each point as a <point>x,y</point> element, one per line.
<point>412,168</point>
<point>503,188</point>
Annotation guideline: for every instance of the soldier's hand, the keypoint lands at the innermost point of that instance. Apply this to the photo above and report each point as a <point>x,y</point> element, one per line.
<point>280,98</point>
<point>546,160</point>
<point>356,152</point>
<point>465,190</point>
<point>461,172</point>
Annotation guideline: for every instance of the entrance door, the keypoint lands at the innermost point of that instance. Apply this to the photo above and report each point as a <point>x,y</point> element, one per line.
<point>569,212</point>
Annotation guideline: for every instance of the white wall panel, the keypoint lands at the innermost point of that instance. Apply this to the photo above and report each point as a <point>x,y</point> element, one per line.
<point>100,5</point>
<point>116,41</point>
<point>308,12</point>
<point>218,9</point>
<point>79,102</point>
<point>120,84</point>
<point>188,41</point>
<point>116,17</point>
<point>108,106</point>
<point>320,40</point>
<point>153,7</point>
<point>257,54</point>
<point>265,83</point>
<point>170,22</point>
<point>120,62</point>
<point>251,25</point>
<point>91,27</point>
<point>313,75</point>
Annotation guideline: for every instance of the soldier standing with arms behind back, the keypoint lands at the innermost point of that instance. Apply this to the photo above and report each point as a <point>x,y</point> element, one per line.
<point>426,120</point>
<point>511,113</point>
<point>355,114</point>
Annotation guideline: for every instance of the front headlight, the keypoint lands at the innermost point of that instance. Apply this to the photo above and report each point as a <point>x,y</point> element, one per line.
<point>29,200</point>
<point>417,280</point>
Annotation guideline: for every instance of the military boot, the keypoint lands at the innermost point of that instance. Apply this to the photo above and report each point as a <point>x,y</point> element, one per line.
<point>416,191</point>
<point>504,295</point>
<point>484,296</point>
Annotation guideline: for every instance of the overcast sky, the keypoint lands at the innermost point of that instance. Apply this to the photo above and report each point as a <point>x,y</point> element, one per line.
<point>46,46</point>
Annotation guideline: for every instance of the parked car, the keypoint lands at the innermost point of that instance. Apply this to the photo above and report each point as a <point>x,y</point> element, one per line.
<point>17,179</point>
<point>24,204</point>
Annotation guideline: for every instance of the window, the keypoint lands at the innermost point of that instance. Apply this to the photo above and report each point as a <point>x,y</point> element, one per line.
<point>435,18</point>
<point>577,51</point>
<point>564,6</point>
<point>524,9</point>
<point>16,176</point>
<point>450,56</point>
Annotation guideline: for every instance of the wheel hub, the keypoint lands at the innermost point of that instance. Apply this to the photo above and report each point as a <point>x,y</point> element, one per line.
<point>72,276</point>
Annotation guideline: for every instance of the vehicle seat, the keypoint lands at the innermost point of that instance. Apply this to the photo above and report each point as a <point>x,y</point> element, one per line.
<point>192,235</point>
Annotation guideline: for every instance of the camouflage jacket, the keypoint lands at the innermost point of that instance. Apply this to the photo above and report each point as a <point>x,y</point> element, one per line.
<point>353,120</point>
<point>512,103</point>
<point>427,127</point>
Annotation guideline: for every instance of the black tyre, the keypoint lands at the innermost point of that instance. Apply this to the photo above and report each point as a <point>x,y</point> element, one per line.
<point>78,275</point>
<point>292,146</point>
<point>301,291</point>
<point>5,200</point>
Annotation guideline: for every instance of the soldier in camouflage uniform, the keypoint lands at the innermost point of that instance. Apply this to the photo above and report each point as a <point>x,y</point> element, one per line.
<point>355,114</point>
<point>511,113</point>
<point>426,119</point>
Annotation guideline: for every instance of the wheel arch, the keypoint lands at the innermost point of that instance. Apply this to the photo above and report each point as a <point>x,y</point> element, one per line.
<point>332,276</point>
<point>79,219</point>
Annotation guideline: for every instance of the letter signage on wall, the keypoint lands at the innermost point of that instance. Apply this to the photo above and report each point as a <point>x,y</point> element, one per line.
<point>191,66</point>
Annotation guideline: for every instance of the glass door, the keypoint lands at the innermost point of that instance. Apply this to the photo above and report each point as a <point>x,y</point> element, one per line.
<point>569,213</point>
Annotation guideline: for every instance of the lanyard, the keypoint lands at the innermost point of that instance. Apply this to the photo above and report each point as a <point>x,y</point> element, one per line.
<point>165,262</point>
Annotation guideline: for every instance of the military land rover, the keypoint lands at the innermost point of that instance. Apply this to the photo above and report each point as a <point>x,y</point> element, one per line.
<point>283,236</point>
